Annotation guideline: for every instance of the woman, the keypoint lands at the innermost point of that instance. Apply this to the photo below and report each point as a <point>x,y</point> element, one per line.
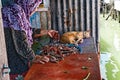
<point>18,35</point>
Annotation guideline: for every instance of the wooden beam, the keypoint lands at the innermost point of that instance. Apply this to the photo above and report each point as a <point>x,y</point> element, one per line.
<point>42,9</point>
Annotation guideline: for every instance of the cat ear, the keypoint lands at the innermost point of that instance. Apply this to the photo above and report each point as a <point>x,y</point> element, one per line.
<point>84,32</point>
<point>87,34</point>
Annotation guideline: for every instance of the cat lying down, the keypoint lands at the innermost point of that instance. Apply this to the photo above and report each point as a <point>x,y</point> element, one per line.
<point>74,37</point>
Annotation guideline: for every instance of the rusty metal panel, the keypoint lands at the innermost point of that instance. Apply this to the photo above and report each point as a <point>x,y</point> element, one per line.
<point>53,11</point>
<point>88,14</point>
<point>65,15</point>
<point>59,15</point>
<point>75,15</point>
<point>70,15</point>
<point>82,15</point>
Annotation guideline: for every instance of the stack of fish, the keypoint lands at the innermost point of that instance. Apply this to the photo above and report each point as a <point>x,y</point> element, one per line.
<point>57,52</point>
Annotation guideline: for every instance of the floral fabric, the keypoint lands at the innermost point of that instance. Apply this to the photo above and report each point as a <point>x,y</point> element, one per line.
<point>28,6</point>
<point>18,34</point>
<point>17,16</point>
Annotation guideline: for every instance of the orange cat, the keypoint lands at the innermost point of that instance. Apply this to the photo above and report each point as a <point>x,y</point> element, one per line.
<point>74,37</point>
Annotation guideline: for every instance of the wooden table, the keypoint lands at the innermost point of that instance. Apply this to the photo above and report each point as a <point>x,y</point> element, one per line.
<point>73,67</point>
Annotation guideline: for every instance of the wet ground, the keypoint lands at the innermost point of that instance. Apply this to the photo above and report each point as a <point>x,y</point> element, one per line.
<point>110,48</point>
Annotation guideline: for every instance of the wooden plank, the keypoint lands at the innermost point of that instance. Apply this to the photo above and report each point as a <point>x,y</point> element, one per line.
<point>71,68</point>
<point>3,53</point>
<point>42,9</point>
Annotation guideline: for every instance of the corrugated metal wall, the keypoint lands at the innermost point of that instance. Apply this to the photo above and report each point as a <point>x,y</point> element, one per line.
<point>75,15</point>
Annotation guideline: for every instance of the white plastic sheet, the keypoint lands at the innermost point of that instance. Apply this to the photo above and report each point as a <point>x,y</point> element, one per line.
<point>117,5</point>
<point>106,1</point>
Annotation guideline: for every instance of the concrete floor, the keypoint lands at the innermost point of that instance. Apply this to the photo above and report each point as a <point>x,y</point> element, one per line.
<point>110,48</point>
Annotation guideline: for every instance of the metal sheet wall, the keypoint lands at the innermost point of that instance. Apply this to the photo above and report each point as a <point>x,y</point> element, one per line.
<point>75,15</point>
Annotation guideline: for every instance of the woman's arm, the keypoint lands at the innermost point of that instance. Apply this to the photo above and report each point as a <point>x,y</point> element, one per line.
<point>42,33</point>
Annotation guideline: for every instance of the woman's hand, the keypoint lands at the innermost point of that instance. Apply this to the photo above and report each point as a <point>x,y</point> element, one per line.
<point>41,59</point>
<point>53,34</point>
<point>42,33</point>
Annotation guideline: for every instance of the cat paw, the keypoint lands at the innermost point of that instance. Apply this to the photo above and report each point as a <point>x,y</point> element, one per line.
<point>81,41</point>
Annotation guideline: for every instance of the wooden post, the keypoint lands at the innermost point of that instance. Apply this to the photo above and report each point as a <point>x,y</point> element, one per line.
<point>43,20</point>
<point>3,53</point>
